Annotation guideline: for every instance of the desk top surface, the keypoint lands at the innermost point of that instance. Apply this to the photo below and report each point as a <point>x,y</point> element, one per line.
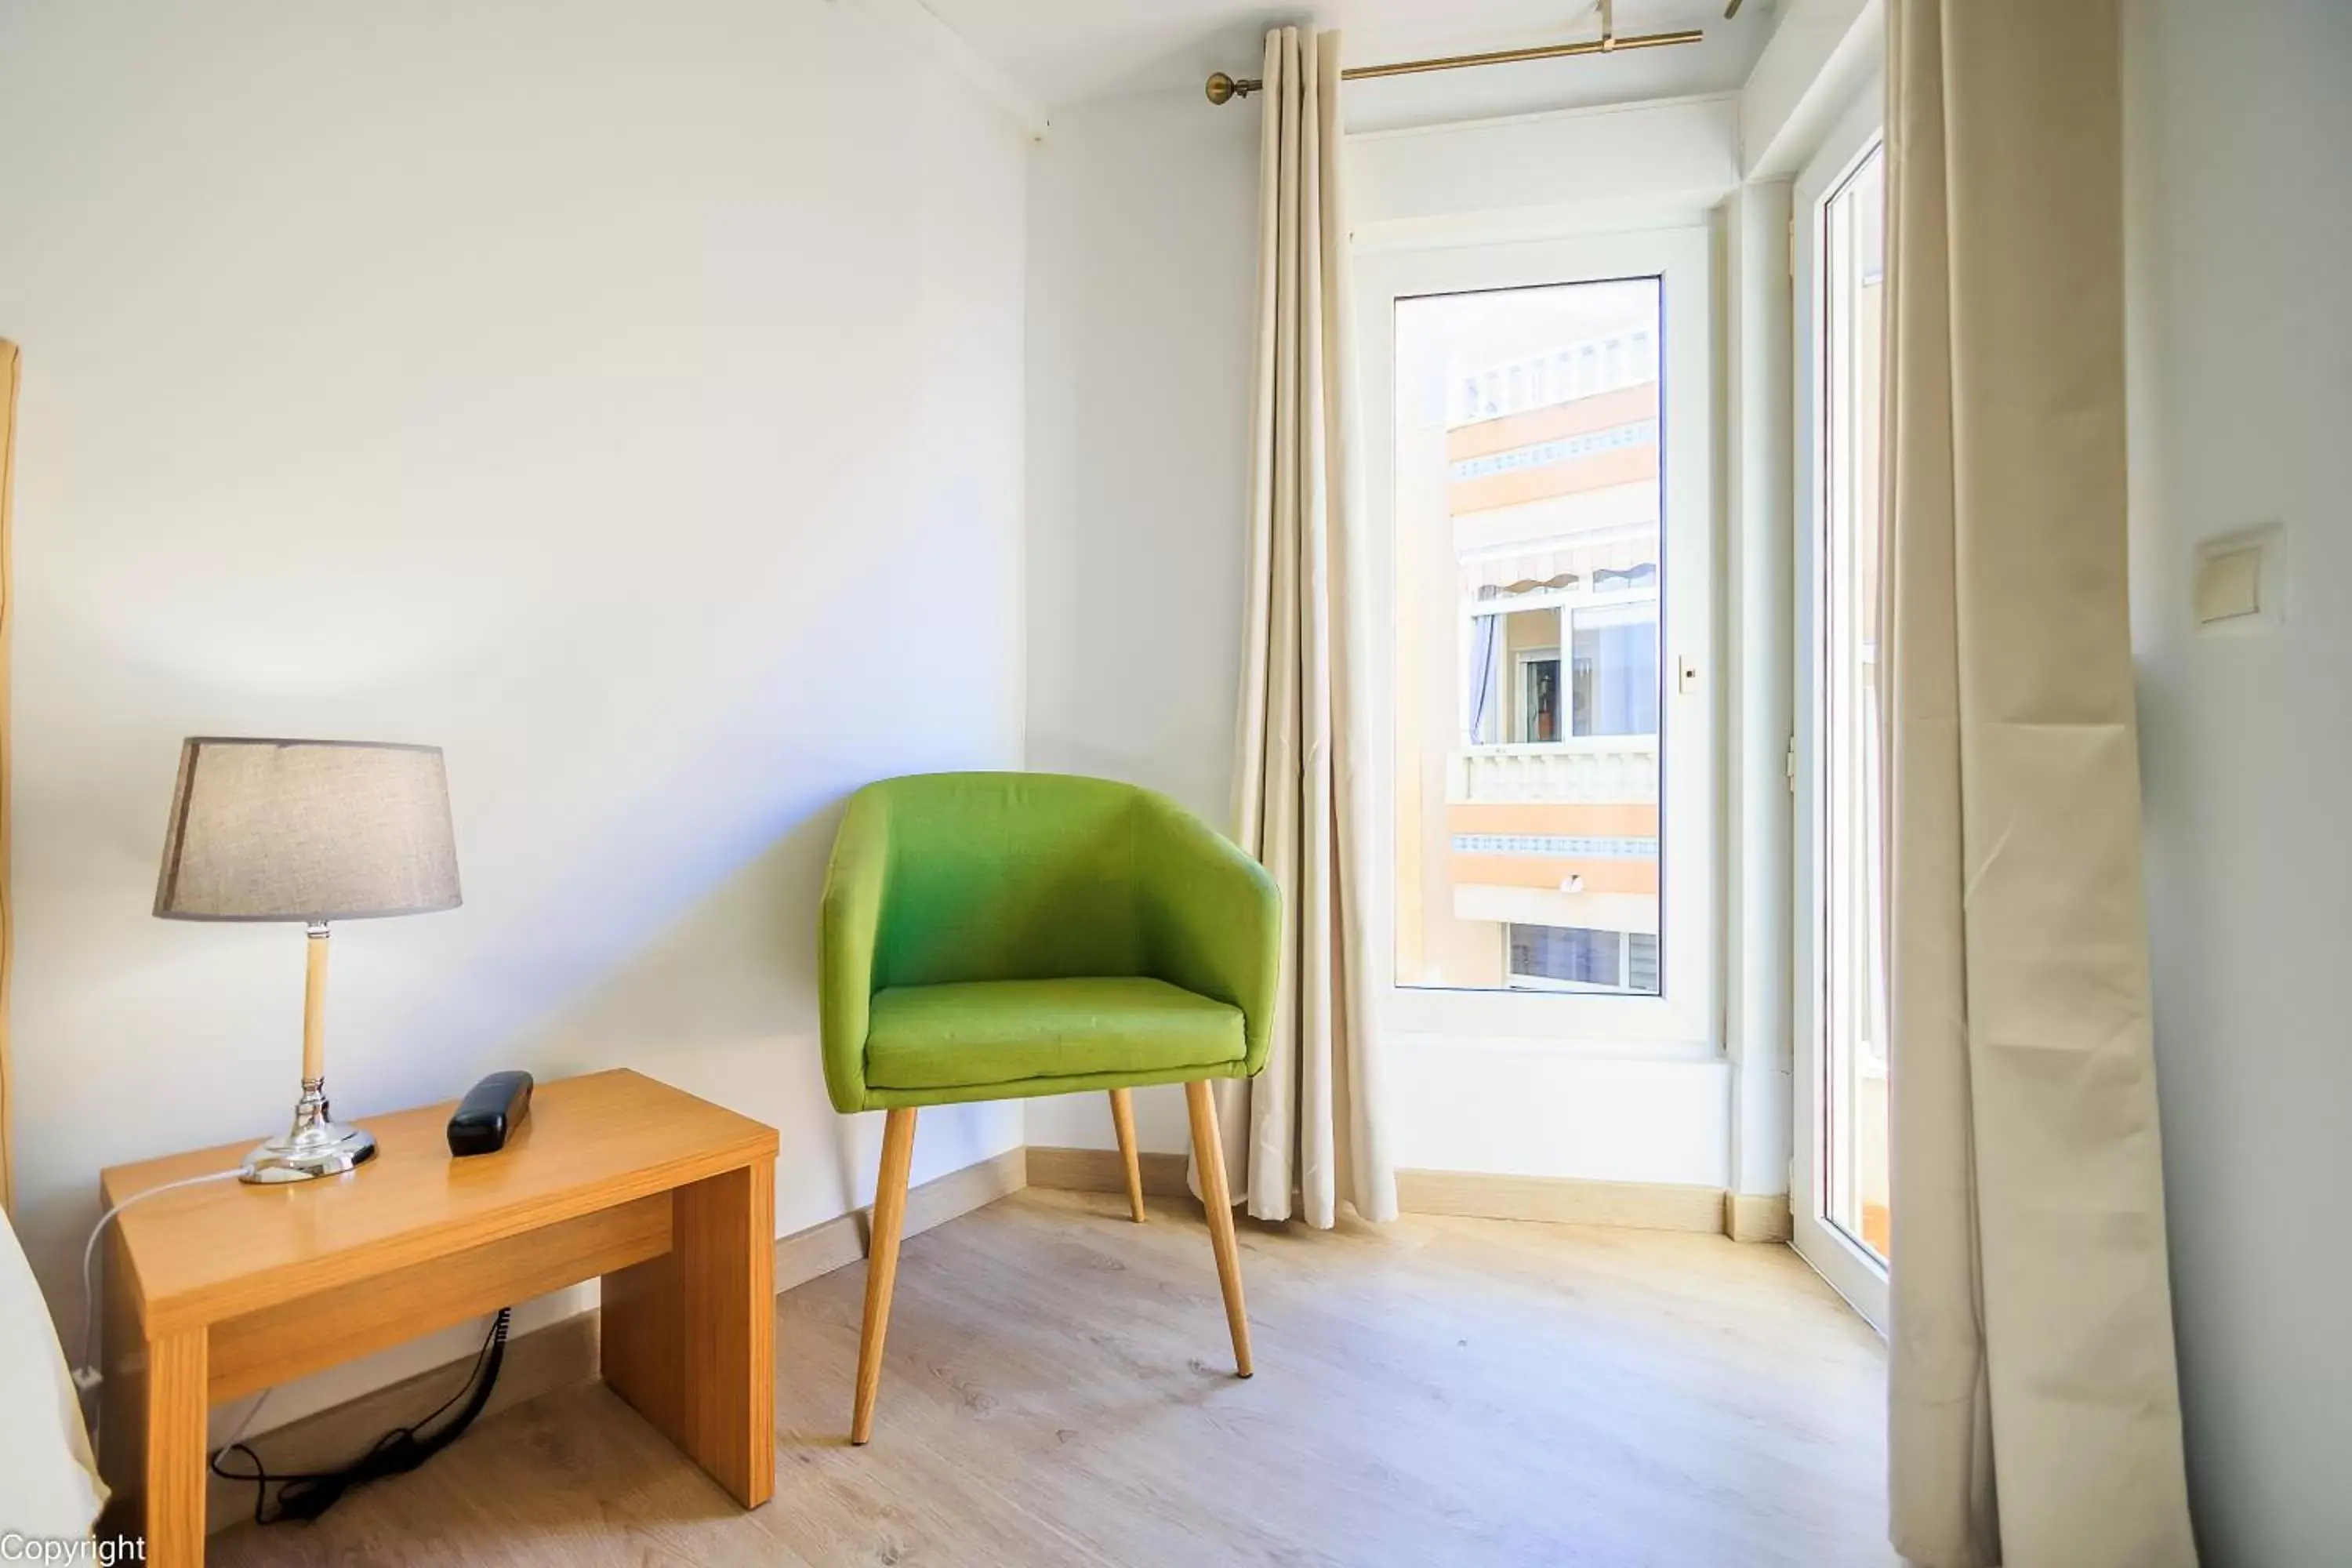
<point>200,1254</point>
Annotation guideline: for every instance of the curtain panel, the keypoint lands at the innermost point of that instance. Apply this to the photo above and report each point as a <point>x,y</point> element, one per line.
<point>2035,1405</point>
<point>8,362</point>
<point>1305,1135</point>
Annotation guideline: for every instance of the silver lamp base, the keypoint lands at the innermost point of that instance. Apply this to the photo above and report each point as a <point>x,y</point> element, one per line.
<point>316,1145</point>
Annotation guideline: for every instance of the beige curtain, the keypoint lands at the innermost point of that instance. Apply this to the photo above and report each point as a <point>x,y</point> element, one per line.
<point>1305,1136</point>
<point>2035,1408</point>
<point>7,622</point>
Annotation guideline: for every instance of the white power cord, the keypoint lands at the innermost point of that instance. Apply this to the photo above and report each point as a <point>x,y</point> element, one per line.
<point>86,1376</point>
<point>244,1425</point>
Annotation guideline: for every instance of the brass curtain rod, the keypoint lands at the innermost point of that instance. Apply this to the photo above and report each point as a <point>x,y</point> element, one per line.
<point>1222,89</point>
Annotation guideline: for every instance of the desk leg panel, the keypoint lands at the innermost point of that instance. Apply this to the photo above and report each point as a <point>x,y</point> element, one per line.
<point>177,1401</point>
<point>688,1338</point>
<point>153,1410</point>
<point>154,1434</point>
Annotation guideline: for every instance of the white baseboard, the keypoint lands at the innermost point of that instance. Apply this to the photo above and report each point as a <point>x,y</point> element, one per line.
<point>1752,1216</point>
<point>1644,1205</point>
<point>837,1242</point>
<point>1101,1171</point>
<point>1561,1200</point>
<point>565,1352</point>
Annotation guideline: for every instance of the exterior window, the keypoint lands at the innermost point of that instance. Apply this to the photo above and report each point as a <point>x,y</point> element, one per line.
<point>1540,696</point>
<point>1616,671</point>
<point>1576,958</point>
<point>1641,963</point>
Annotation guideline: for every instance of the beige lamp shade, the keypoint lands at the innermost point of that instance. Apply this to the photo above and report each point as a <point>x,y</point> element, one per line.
<point>307,830</point>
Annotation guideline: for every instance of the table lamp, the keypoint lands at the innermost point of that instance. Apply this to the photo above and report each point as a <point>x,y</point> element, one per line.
<point>312,831</point>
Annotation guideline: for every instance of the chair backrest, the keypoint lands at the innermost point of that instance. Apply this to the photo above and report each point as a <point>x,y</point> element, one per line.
<point>1008,877</point>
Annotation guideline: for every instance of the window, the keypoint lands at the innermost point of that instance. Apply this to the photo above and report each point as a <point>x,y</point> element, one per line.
<point>1579,958</point>
<point>1616,671</point>
<point>1539,696</point>
<point>1544,504</point>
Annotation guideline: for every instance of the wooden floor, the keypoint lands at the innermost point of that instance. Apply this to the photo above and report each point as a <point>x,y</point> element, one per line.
<point>1059,1390</point>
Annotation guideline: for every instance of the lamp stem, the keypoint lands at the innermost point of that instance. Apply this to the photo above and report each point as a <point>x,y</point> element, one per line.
<point>314,1007</point>
<point>316,1144</point>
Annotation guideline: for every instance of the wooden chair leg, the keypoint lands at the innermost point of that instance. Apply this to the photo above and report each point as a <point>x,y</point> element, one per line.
<point>882,1261</point>
<point>1122,1119</point>
<point>1209,1154</point>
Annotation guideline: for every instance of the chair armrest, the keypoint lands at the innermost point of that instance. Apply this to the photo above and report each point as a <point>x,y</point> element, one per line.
<point>1212,918</point>
<point>848,927</point>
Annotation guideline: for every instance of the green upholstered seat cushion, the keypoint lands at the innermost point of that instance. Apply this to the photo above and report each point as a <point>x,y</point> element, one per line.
<point>1016,1032</point>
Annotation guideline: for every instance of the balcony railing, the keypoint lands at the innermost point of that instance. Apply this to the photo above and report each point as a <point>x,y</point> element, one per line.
<point>1613,769</point>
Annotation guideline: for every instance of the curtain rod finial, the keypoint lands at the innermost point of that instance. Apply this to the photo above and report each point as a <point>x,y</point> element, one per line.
<point>1221,88</point>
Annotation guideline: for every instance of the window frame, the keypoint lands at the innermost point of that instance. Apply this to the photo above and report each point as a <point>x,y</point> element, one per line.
<point>1684,1020</point>
<point>1851,1269</point>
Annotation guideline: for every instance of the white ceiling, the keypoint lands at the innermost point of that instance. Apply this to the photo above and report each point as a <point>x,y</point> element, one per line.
<point>1068,51</point>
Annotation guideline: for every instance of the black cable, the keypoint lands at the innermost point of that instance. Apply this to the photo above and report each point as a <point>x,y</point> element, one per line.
<point>497,1337</point>
<point>307,1494</point>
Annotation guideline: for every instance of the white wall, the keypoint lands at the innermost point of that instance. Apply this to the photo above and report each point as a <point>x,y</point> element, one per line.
<point>1539,177</point>
<point>628,399</point>
<point>1143,246</point>
<point>1759,692</point>
<point>2241,218</point>
<point>1820,57</point>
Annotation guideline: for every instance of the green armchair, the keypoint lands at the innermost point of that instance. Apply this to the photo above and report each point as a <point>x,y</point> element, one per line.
<point>996,936</point>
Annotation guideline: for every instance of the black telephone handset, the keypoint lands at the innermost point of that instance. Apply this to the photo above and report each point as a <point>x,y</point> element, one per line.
<point>491,1110</point>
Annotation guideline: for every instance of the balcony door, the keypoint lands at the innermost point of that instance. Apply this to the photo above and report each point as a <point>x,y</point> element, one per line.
<point>1839,1187</point>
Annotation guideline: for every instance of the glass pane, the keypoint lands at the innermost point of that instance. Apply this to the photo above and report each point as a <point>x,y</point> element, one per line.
<point>1617,671</point>
<point>1854,977</point>
<point>1527,639</point>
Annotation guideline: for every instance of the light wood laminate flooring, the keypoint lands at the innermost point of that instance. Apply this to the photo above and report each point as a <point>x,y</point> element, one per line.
<point>1058,1389</point>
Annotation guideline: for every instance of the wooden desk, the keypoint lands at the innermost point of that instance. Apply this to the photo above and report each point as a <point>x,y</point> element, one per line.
<point>223,1290</point>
